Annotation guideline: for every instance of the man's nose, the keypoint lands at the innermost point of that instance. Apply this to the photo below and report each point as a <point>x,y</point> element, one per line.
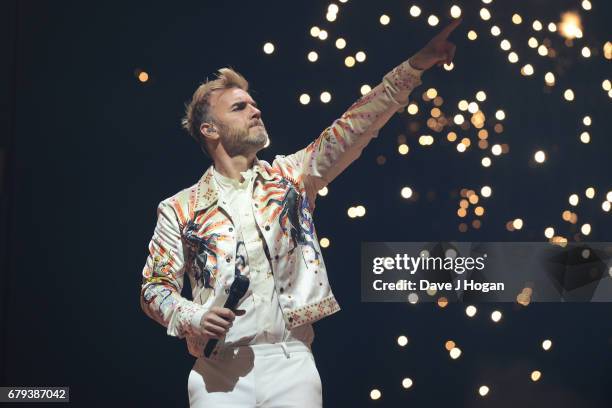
<point>255,113</point>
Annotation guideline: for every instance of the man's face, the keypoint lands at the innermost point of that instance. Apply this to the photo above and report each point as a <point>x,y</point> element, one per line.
<point>238,121</point>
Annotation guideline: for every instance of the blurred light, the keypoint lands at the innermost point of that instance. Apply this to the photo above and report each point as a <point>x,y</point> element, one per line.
<point>539,156</point>
<point>375,394</point>
<point>485,14</point>
<point>527,70</point>
<point>590,192</point>
<point>406,192</point>
<point>403,149</point>
<point>586,52</point>
<point>606,206</point>
<point>542,50</point>
<point>325,97</point>
<point>433,20</point>
<point>451,136</point>
<point>323,35</point>
<point>517,19</point>
<point>312,56</point>
<point>532,42</point>
<point>606,85</point>
<point>360,56</point>
<point>472,107</point>
<point>546,344</point>
<point>552,27</point>
<point>455,353</point>
<point>586,4</point>
<point>304,99</point>
<point>406,383</point>
<point>360,211</point>
<point>351,212</point>
<point>486,162</point>
<point>332,8</point>
<point>349,61</point>
<point>496,316</point>
<point>505,45</point>
<point>323,192</point>
<point>535,375</point>
<point>461,147</point>
<point>481,96</point>
<point>340,43</point>
<point>143,76</point>
<point>449,67</point>
<point>607,50</point>
<point>500,115</point>
<point>431,93</point>
<point>537,25</point>
<point>495,30</point>
<point>568,95</point>
<point>415,11</point>
<point>609,196</point>
<point>324,242</point>
<point>549,232</point>
<point>455,11</point>
<point>365,89</point>
<point>413,109</point>
<point>586,121</point>
<point>471,35</point>
<point>483,390</point>
<point>549,78</point>
<point>585,137</point>
<point>402,341</point>
<point>513,57</point>
<point>331,17</point>
<point>314,31</point>
<point>486,191</point>
<point>413,298</point>
<point>268,48</point>
<point>459,119</point>
<point>585,229</point>
<point>517,224</point>
<point>463,105</point>
<point>470,311</point>
<point>570,26</point>
<point>384,19</point>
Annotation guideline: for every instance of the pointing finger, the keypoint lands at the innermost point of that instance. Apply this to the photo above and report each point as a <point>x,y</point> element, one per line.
<point>449,28</point>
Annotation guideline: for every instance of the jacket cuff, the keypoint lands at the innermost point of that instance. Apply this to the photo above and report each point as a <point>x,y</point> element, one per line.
<point>401,81</point>
<point>196,319</point>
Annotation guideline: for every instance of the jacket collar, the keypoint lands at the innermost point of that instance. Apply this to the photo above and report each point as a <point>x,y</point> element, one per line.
<point>206,190</point>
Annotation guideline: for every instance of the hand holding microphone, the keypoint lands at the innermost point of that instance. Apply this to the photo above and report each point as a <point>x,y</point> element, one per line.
<point>218,320</point>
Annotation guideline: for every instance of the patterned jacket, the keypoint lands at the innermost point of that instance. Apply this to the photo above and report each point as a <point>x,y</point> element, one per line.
<point>195,235</point>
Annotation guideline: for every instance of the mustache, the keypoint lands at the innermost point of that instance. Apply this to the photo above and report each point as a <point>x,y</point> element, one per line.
<point>256,123</point>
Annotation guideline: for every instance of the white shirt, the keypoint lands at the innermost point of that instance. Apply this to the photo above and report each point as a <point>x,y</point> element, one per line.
<point>263,321</point>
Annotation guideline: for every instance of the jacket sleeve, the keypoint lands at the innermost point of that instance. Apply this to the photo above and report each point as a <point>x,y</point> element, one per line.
<point>341,143</point>
<point>162,279</point>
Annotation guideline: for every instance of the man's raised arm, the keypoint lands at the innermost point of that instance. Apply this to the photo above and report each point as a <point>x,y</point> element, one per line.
<point>342,142</point>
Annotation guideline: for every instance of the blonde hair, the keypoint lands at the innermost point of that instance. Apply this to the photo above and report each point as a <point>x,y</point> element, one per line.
<point>198,110</point>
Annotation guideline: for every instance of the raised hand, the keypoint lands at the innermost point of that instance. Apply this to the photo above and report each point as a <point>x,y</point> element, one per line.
<point>437,51</point>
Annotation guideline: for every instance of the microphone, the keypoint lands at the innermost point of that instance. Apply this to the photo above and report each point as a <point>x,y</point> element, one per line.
<point>236,292</point>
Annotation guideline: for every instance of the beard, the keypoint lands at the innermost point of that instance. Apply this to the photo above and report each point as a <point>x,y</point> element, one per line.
<point>242,140</point>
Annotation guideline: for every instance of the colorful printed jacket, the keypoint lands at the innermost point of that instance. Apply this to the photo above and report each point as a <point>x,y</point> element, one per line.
<point>194,234</point>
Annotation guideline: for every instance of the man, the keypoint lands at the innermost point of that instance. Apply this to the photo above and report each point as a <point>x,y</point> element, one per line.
<point>246,216</point>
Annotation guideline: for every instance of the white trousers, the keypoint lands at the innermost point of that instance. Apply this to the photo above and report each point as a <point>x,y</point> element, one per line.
<point>281,375</point>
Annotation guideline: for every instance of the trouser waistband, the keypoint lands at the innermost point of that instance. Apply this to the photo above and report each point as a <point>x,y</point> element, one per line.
<point>260,350</point>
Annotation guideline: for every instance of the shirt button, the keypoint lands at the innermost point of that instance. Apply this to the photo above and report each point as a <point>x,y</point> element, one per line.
<point>281,290</point>
<point>229,258</point>
<point>267,228</point>
<point>230,229</point>
<point>256,205</point>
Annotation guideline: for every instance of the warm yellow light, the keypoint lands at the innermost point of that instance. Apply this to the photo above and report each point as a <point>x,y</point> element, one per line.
<point>495,31</point>
<point>268,48</point>
<point>459,119</point>
<point>323,35</point>
<point>455,11</point>
<point>537,25</point>
<point>313,56</point>
<point>607,50</point>
<point>413,109</point>
<point>483,390</point>
<point>570,26</point>
<point>331,17</point>
<point>406,192</point>
<point>606,85</point>
<point>585,137</point>
<point>539,156</point>
<point>485,14</point>
<point>513,57</point>
<point>314,31</point>
<point>543,50</point>
<point>403,149</point>
<point>432,20</point>
<point>375,394</point>
<point>470,311</point>
<point>481,96</point>
<point>360,56</point>
<point>407,383</point>
<point>586,4</point>
<point>586,121</point>
<point>500,115</point>
<point>384,19</point>
<point>349,61</point>
<point>586,52</point>
<point>324,242</point>
<point>325,97</point>
<point>415,11</point>
<point>455,353</point>
<point>461,147</point>
<point>472,107</point>
<point>402,341</point>
<point>517,19</point>
<point>549,232</point>
<point>585,229</point>
<point>365,89</point>
<point>532,42</point>
<point>471,35</point>
<point>505,45</point>
<point>527,70</point>
<point>463,105</point>
<point>590,192</point>
<point>568,95</point>
<point>143,76</point>
<point>304,99</point>
<point>431,93</point>
<point>486,162</point>
<point>549,78</point>
<point>340,43</point>
<point>451,136</point>
<point>323,192</point>
<point>517,223</point>
<point>546,344</point>
<point>552,27</point>
<point>535,375</point>
<point>449,67</point>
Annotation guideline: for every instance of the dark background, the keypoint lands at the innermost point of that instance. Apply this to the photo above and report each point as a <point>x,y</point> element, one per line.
<point>87,152</point>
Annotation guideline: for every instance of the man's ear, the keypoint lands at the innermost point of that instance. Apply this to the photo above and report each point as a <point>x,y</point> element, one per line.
<point>209,131</point>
